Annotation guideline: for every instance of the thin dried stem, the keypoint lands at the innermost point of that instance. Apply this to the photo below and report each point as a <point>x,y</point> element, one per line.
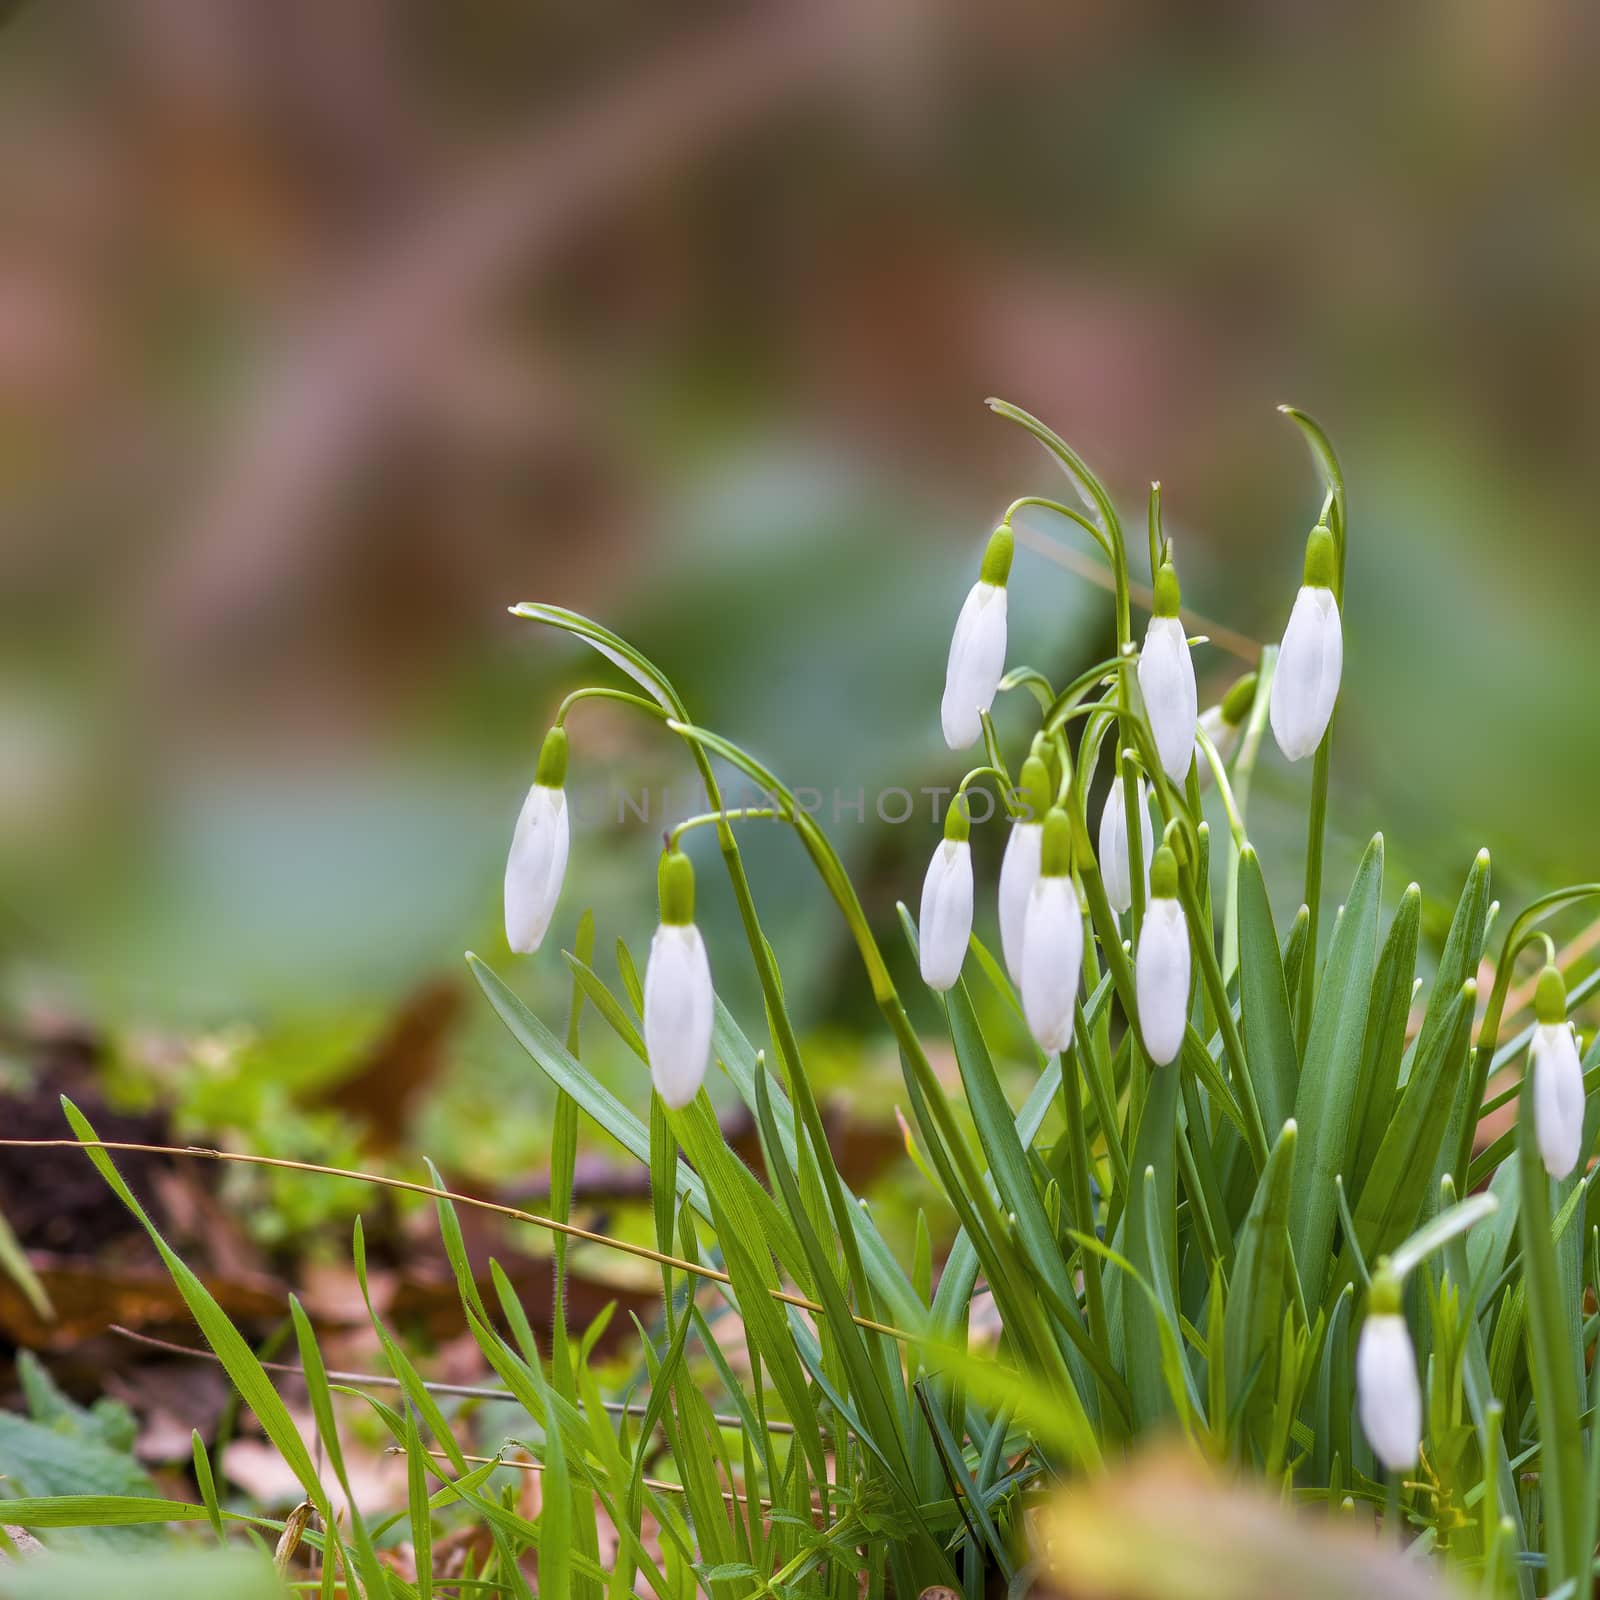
<point>571,1230</point>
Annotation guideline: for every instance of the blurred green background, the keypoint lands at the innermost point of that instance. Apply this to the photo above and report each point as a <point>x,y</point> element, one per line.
<point>326,332</point>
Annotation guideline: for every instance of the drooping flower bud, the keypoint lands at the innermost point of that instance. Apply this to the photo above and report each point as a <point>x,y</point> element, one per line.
<point>1557,1079</point>
<point>1306,683</point>
<point>1224,724</point>
<point>1161,968</point>
<point>678,1005</point>
<point>537,863</point>
<point>1166,680</point>
<point>944,924</point>
<point>1052,940</point>
<point>1387,1389</point>
<point>978,647</point>
<point>1114,870</point>
<point>1019,870</point>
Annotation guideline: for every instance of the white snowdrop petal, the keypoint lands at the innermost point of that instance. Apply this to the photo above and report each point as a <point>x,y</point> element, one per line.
<point>1115,873</point>
<point>1557,1096</point>
<point>1388,1392</point>
<point>678,1011</point>
<point>1166,680</point>
<point>977,663</point>
<point>1161,980</point>
<point>1306,682</point>
<point>536,867</point>
<point>945,922</point>
<point>1052,959</point>
<point>1019,871</point>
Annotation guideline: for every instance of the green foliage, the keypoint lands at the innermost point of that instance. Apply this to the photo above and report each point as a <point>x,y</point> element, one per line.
<point>1179,1250</point>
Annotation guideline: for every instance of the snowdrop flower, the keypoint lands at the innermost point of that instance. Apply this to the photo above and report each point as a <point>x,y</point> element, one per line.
<point>1306,683</point>
<point>677,990</point>
<point>538,859</point>
<point>1166,680</point>
<point>978,647</point>
<point>1557,1079</point>
<point>945,922</point>
<point>1019,869</point>
<point>1052,941</point>
<point>1161,968</point>
<point>1387,1390</point>
<point>1114,870</point>
<point>1223,724</point>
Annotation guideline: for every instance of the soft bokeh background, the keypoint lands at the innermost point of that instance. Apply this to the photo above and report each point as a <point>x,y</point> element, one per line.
<point>327,331</point>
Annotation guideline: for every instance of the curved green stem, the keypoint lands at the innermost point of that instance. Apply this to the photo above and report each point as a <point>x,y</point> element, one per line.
<point>712,818</point>
<point>1489,1030</point>
<point>1068,512</point>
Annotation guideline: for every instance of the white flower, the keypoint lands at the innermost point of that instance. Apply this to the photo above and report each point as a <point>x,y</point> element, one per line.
<point>1019,871</point>
<point>1557,1096</point>
<point>1306,683</point>
<point>945,922</point>
<point>1161,974</point>
<point>536,866</point>
<point>1052,958</point>
<point>977,660</point>
<point>677,1012</point>
<point>1114,870</point>
<point>1166,680</point>
<point>1388,1392</point>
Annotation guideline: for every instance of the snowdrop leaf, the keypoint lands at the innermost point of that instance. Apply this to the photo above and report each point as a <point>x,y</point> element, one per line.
<point>1325,1097</point>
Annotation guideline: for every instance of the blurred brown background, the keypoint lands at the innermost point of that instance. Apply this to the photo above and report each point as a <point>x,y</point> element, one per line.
<point>327,331</point>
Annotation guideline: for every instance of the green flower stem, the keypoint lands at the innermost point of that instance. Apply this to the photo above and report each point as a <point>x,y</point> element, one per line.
<point>1211,976</point>
<point>1101,1073</point>
<point>597,692</point>
<point>1007,788</point>
<point>1333,513</point>
<point>668,706</point>
<point>1243,771</point>
<point>1489,1031</point>
<point>914,1060</point>
<point>1219,774</point>
<point>1069,512</point>
<point>712,818</point>
<point>1082,1199</point>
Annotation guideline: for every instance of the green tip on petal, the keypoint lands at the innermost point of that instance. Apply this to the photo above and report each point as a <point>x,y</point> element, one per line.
<point>675,879</point>
<point>957,825</point>
<point>1384,1298</point>
<point>1168,597</point>
<point>1055,850</point>
<point>1033,788</point>
<point>552,771</point>
<point>1550,1000</point>
<point>997,558</point>
<point>1321,559</point>
<point>1236,703</point>
<point>1164,875</point>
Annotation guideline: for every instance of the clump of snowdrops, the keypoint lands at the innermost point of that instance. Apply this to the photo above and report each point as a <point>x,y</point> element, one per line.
<point>1246,1201</point>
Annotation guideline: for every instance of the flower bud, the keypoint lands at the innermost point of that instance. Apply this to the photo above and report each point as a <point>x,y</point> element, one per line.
<point>537,863</point>
<point>678,1005</point>
<point>1114,870</point>
<point>1161,968</point>
<point>1306,683</point>
<point>1557,1075</point>
<point>944,924</point>
<point>1166,680</point>
<point>978,647</point>
<point>1387,1390</point>
<point>1052,941</point>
